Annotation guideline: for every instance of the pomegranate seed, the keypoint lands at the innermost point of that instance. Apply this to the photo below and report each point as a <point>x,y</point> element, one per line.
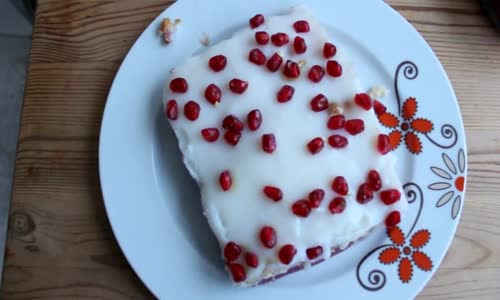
<point>316,145</point>
<point>374,180</point>
<point>301,26</point>
<point>251,259</point>
<point>316,73</point>
<point>232,123</point>
<point>390,197</point>
<point>316,197</point>
<point>287,253</point>
<point>232,137</point>
<point>355,126</point>
<point>365,193</point>
<point>337,205</point>
<point>329,50</point>
<point>238,272</point>
<point>232,251</point>
<point>257,57</point>
<point>217,63</point>
<point>383,144</point>
<point>301,208</point>
<point>339,186</point>
<point>393,219</point>
<point>299,44</point>
<point>238,86</point>
<point>273,193</point>
<point>192,110</point>
<point>279,39</point>
<point>179,85</point>
<point>213,94</point>
<point>378,107</point>
<point>254,119</point>
<point>268,237</point>
<point>256,21</point>
<point>319,103</point>
<point>268,143</point>
<point>338,141</point>
<point>274,63</point>
<point>225,180</point>
<point>262,37</point>
<point>364,101</point>
<point>333,68</point>
<point>336,122</point>
<point>171,110</point>
<point>291,70</point>
<point>285,94</point>
<point>210,134</point>
<point>314,252</point>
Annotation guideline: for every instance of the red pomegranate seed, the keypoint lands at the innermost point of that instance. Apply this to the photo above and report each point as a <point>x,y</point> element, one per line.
<point>365,193</point>
<point>179,85</point>
<point>262,37</point>
<point>210,134</point>
<point>213,94</point>
<point>333,68</point>
<point>268,237</point>
<point>238,86</point>
<point>340,186</point>
<point>329,50</point>
<point>217,63</point>
<point>337,205</point>
<point>301,26</point>
<point>257,57</point>
<point>287,253</point>
<point>274,63</point>
<point>364,101</point>
<point>301,208</point>
<point>273,193</point>
<point>285,94</point>
<point>374,180</point>
<point>291,70</point>
<point>314,252</point>
<point>338,141</point>
<point>268,143</point>
<point>355,126</point>
<point>225,180</point>
<point>254,119</point>
<point>336,122</point>
<point>192,110</point>
<point>252,260</point>
<point>238,272</point>
<point>316,73</point>
<point>393,219</point>
<point>279,39</point>
<point>256,21</point>
<point>316,197</point>
<point>378,107</point>
<point>232,137</point>
<point>390,197</point>
<point>232,251</point>
<point>319,103</point>
<point>383,144</point>
<point>299,44</point>
<point>232,123</point>
<point>316,145</point>
<point>171,111</point>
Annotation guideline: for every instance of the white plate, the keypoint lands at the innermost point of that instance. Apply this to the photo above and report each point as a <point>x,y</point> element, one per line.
<point>153,204</point>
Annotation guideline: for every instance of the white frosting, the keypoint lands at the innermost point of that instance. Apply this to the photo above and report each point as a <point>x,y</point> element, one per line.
<point>239,214</point>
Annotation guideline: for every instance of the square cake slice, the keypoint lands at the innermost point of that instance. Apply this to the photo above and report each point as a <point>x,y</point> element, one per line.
<point>285,146</point>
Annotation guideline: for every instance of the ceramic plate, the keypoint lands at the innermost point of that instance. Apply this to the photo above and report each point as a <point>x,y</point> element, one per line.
<point>153,204</point>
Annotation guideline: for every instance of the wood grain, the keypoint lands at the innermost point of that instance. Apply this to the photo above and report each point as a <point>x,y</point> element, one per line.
<point>60,245</point>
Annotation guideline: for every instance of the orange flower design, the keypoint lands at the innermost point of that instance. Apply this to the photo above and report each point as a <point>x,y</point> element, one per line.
<point>407,254</point>
<point>407,127</point>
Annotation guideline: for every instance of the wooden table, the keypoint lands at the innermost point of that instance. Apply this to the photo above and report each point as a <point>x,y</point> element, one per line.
<point>60,245</point>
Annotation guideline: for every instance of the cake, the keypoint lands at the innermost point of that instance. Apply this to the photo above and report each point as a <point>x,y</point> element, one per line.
<point>285,146</point>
